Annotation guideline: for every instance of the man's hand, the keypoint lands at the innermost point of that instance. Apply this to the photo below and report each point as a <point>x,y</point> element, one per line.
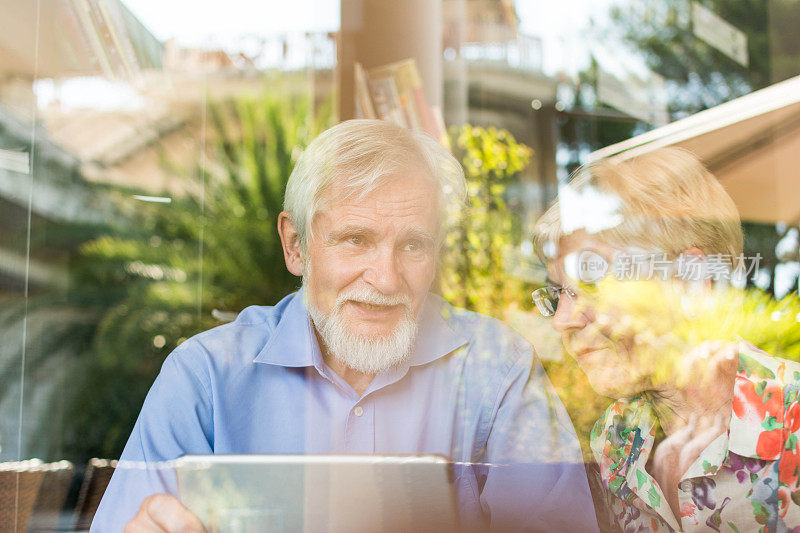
<point>163,513</point>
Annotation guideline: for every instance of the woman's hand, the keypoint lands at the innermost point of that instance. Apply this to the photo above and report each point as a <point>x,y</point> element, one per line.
<point>700,413</point>
<point>673,457</point>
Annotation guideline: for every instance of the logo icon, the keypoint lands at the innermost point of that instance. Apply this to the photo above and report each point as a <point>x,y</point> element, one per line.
<point>592,267</point>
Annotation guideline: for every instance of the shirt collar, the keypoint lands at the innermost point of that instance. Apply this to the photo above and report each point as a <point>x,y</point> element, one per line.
<point>436,337</point>
<point>623,438</point>
<point>757,420</point>
<point>293,344</point>
<point>622,441</point>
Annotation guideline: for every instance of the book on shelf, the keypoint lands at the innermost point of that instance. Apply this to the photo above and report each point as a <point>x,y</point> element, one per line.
<point>386,100</point>
<point>394,92</point>
<point>364,108</point>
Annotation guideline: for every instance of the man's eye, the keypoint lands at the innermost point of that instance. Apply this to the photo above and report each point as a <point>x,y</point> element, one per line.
<point>414,246</point>
<point>357,240</point>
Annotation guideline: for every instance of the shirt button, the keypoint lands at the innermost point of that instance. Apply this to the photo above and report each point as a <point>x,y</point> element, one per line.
<point>358,411</point>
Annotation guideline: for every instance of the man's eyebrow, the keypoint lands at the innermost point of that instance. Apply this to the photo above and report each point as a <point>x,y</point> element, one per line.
<point>418,233</point>
<point>348,230</point>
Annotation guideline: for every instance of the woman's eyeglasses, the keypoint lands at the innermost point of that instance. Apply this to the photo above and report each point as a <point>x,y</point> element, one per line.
<point>546,299</point>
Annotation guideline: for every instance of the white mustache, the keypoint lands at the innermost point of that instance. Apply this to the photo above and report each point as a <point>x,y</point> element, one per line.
<point>371,297</point>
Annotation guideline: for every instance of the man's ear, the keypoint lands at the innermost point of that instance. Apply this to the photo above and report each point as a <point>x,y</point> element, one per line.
<point>290,240</point>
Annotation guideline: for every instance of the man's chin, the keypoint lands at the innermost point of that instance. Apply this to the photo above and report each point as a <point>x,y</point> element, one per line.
<point>373,332</point>
<point>365,346</point>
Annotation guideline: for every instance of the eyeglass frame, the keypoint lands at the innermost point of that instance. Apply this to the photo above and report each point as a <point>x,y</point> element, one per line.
<point>558,290</point>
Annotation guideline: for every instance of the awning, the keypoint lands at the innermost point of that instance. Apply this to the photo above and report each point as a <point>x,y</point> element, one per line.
<point>752,145</point>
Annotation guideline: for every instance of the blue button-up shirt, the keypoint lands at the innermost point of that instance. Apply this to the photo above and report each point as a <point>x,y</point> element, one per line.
<point>472,390</point>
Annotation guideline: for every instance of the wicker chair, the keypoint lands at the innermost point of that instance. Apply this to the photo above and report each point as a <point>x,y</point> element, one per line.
<point>95,481</point>
<point>19,486</point>
<point>51,497</point>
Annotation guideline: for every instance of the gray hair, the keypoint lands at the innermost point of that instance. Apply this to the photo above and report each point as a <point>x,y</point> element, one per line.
<point>667,199</point>
<point>360,155</point>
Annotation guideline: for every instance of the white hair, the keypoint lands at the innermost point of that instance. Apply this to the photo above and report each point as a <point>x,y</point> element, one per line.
<point>358,156</point>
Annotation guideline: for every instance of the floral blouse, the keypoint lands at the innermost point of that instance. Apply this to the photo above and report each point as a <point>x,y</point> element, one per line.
<point>745,480</point>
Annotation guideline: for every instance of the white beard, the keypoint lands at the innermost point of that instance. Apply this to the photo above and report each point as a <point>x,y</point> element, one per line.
<point>367,354</point>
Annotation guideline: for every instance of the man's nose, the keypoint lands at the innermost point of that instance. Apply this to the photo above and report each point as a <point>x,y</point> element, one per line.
<point>384,272</point>
<point>569,315</point>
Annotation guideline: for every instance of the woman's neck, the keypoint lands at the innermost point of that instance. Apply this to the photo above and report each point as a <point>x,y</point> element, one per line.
<point>675,407</point>
<point>705,391</point>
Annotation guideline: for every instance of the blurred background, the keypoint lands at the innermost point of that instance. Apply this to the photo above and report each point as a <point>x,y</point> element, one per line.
<point>145,145</point>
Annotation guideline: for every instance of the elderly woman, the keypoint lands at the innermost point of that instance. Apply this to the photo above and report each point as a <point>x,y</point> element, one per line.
<point>729,455</point>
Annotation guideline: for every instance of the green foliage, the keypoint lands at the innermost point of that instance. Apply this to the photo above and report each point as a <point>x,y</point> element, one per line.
<point>168,271</point>
<point>773,325</point>
<point>481,233</point>
<point>660,30</point>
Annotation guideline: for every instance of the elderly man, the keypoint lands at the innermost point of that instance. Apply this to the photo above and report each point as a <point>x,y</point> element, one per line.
<point>363,359</point>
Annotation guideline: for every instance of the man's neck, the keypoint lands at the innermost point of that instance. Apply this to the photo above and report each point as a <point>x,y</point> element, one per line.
<point>358,380</point>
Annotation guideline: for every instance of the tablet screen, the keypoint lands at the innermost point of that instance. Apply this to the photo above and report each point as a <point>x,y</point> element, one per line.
<point>311,493</point>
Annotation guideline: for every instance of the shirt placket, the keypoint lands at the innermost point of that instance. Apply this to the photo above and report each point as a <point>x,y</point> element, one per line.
<point>641,483</point>
<point>360,427</point>
<point>705,466</point>
<point>645,488</point>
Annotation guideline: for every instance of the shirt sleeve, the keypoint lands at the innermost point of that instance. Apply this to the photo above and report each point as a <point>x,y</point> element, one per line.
<point>535,479</point>
<point>176,419</point>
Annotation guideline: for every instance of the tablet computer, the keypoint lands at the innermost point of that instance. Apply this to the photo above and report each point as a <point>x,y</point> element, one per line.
<point>326,493</point>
